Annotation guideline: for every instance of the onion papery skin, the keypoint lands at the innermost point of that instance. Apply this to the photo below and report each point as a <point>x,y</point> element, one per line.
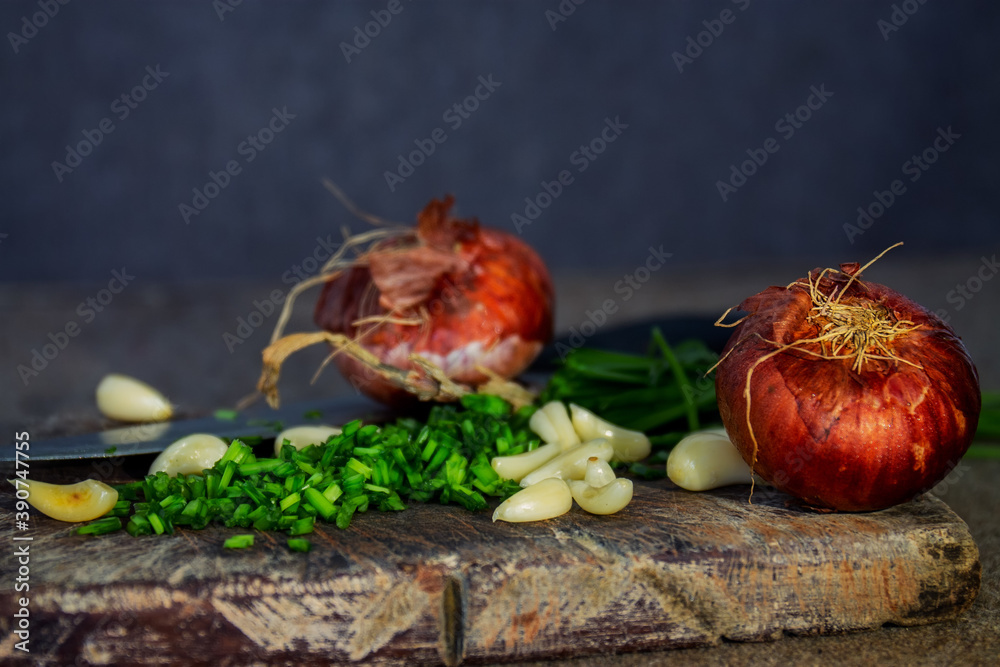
<point>835,437</point>
<point>484,298</point>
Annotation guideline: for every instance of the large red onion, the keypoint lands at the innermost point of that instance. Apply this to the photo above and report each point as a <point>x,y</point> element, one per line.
<point>845,393</point>
<point>462,296</point>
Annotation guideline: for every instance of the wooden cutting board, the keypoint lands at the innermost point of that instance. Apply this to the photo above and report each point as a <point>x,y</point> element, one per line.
<point>440,585</point>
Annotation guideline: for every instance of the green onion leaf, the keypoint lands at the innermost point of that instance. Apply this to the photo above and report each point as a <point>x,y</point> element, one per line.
<point>100,527</point>
<point>238,542</point>
<point>299,544</point>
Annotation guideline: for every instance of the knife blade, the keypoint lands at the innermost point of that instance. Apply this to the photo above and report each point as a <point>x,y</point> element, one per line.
<point>155,437</point>
<point>152,438</point>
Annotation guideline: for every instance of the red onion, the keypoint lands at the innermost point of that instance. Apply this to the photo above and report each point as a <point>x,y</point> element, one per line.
<point>432,311</point>
<point>845,393</point>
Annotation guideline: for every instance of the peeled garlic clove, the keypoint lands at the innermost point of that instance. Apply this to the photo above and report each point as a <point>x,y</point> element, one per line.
<point>547,499</point>
<point>301,437</point>
<point>542,426</point>
<point>192,454</point>
<point>571,464</point>
<point>598,472</point>
<point>83,501</point>
<point>517,466</point>
<point>607,499</point>
<point>559,418</point>
<point>629,445</point>
<point>706,460</point>
<point>127,399</point>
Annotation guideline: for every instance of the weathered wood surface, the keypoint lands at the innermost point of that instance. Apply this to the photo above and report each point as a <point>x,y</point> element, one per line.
<point>440,585</point>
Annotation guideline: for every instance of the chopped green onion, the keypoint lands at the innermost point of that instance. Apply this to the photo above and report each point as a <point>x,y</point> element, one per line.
<point>289,501</point>
<point>157,523</point>
<point>444,458</point>
<point>100,527</point>
<point>302,526</point>
<point>299,544</point>
<point>360,468</point>
<point>238,542</point>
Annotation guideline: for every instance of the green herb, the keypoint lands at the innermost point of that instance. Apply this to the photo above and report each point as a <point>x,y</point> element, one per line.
<point>238,542</point>
<point>100,527</point>
<point>664,393</point>
<point>986,444</point>
<point>978,451</point>
<point>312,414</point>
<point>111,450</point>
<point>226,415</point>
<point>299,544</point>
<point>445,459</point>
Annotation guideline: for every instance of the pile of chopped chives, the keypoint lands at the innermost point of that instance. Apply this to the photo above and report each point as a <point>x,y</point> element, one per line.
<point>445,460</point>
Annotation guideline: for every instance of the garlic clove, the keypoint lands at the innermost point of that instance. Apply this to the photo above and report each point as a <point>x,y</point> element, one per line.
<point>598,472</point>
<point>192,454</point>
<point>556,411</point>
<point>83,501</point>
<point>570,464</point>
<point>127,399</point>
<point>301,437</point>
<point>545,500</point>
<point>607,499</point>
<point>517,466</point>
<point>542,426</point>
<point>629,445</point>
<point>706,460</point>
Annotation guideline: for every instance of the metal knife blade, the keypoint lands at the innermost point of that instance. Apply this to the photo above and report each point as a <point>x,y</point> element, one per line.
<point>155,437</point>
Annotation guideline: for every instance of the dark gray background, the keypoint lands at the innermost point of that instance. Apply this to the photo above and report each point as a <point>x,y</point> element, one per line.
<point>654,185</point>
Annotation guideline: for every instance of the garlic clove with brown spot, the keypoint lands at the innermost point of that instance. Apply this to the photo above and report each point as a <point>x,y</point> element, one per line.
<point>83,501</point>
<point>598,472</point>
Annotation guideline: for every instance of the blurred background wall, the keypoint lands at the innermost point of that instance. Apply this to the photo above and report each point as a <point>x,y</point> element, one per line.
<point>115,113</point>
